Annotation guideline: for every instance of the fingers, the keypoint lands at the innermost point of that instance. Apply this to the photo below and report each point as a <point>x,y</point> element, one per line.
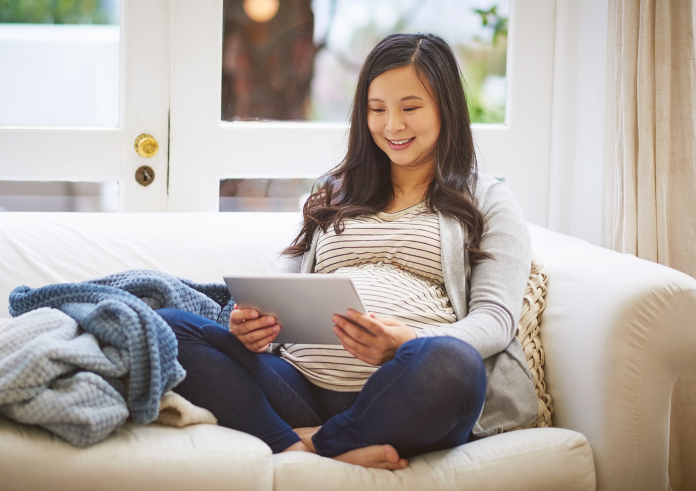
<point>354,328</point>
<point>262,344</point>
<point>354,346</point>
<point>254,331</point>
<point>240,315</point>
<point>259,339</point>
<point>361,351</point>
<point>369,322</point>
<point>246,320</point>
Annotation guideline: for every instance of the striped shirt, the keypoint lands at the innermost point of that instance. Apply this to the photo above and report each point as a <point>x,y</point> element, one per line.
<point>394,261</point>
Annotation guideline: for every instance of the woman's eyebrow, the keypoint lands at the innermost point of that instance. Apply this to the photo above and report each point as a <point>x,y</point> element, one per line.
<point>408,97</point>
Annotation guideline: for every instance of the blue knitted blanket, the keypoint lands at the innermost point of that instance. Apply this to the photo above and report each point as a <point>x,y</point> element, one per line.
<point>118,311</point>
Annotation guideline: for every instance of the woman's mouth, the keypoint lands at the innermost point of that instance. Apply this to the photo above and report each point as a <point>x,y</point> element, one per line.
<point>400,144</point>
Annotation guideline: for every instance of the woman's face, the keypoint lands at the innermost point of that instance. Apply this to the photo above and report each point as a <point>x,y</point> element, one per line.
<point>403,118</point>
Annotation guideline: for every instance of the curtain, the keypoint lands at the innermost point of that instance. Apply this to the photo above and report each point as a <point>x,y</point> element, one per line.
<point>655,181</point>
<point>654,198</point>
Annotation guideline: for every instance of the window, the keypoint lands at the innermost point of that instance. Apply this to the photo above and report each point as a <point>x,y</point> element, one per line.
<point>299,61</point>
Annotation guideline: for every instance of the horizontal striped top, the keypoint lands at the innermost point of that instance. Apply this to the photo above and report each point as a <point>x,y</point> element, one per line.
<point>394,261</point>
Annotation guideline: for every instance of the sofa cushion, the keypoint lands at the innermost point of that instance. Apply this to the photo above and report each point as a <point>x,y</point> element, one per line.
<point>534,459</point>
<point>135,457</point>
<point>529,335</point>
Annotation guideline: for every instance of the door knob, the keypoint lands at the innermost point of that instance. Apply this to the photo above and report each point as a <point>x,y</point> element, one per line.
<point>146,146</point>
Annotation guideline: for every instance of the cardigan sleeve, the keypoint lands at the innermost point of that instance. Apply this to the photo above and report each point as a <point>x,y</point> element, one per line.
<point>496,285</point>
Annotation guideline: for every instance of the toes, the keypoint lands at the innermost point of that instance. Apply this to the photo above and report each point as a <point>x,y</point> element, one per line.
<point>390,454</point>
<point>393,466</point>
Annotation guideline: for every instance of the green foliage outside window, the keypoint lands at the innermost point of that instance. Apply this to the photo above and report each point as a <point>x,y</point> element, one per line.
<point>52,12</point>
<point>483,60</point>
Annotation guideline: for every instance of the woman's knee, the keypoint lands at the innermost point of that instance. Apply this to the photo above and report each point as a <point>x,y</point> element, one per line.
<point>452,363</point>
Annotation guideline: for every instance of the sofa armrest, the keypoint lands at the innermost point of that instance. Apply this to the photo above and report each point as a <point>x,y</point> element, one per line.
<point>617,331</point>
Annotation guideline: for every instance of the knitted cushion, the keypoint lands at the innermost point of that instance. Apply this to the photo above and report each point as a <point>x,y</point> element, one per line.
<point>528,334</point>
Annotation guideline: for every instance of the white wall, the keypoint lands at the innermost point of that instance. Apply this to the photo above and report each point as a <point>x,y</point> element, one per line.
<point>576,189</point>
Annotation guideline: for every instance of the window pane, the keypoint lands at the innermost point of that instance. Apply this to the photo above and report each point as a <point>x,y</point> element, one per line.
<point>264,194</point>
<point>299,59</point>
<point>60,63</point>
<point>59,196</point>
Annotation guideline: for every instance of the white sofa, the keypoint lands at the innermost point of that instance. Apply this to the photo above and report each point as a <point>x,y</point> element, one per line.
<point>617,331</point>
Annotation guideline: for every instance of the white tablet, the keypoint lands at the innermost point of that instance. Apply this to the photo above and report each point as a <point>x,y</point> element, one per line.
<point>303,304</point>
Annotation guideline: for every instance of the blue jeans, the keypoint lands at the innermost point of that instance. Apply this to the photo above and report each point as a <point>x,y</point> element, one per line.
<point>427,398</point>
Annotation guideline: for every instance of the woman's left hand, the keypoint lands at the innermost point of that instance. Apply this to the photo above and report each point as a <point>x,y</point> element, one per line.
<point>370,339</point>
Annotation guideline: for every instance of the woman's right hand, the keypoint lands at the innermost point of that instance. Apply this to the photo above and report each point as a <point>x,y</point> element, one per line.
<point>255,332</point>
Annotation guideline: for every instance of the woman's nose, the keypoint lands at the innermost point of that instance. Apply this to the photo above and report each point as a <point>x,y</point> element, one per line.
<point>395,122</point>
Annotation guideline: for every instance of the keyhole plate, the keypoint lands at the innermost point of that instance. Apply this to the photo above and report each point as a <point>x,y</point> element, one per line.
<point>145,175</point>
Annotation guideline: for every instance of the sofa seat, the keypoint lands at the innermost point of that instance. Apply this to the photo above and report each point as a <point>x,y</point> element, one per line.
<point>134,458</point>
<point>146,457</point>
<point>524,460</point>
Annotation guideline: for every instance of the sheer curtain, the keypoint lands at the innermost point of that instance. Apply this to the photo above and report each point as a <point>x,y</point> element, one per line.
<point>654,195</point>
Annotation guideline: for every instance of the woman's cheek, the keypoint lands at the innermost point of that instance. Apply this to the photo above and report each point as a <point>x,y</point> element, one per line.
<point>373,123</point>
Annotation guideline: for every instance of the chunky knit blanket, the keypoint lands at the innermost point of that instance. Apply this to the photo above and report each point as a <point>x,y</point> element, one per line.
<point>117,312</point>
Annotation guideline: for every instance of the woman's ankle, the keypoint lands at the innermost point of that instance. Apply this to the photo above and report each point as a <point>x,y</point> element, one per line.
<point>297,447</point>
<point>306,435</point>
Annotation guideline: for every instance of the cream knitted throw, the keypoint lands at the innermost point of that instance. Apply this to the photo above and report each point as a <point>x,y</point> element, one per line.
<point>174,410</point>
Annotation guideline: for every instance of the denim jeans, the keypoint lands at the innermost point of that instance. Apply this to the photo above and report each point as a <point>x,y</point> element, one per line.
<point>427,398</point>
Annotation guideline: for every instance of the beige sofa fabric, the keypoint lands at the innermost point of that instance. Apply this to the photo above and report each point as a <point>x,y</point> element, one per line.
<point>525,460</point>
<point>135,458</point>
<point>617,332</point>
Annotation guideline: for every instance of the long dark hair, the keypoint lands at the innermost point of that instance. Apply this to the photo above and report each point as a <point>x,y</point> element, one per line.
<point>361,184</point>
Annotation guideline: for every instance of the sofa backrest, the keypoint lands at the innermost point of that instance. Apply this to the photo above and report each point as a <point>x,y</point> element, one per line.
<point>38,249</point>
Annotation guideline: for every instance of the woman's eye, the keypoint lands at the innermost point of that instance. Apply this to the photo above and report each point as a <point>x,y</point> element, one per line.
<point>410,109</point>
<point>376,110</point>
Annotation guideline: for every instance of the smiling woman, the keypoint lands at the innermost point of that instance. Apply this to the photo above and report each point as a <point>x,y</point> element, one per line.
<point>440,256</point>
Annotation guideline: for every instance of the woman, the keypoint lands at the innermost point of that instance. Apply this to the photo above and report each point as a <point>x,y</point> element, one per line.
<point>440,255</point>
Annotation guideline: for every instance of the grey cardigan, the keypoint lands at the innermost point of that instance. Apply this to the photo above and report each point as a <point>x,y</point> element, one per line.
<point>487,299</point>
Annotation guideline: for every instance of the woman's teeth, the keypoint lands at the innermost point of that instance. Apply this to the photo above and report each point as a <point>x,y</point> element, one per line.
<point>401,142</point>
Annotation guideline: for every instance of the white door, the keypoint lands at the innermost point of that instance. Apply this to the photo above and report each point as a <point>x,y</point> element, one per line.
<point>100,148</point>
<point>205,149</point>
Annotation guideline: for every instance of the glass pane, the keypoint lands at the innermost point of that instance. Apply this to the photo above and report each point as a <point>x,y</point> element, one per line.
<point>60,62</point>
<point>298,60</point>
<point>264,194</point>
<point>59,196</point>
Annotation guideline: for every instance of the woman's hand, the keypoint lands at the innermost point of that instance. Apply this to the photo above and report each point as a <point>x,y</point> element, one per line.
<point>255,332</point>
<point>370,339</point>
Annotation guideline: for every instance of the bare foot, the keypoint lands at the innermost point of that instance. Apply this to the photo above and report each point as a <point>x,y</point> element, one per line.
<point>306,435</point>
<point>375,456</point>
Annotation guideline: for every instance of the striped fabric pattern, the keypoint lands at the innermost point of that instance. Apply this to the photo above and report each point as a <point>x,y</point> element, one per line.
<point>394,261</point>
